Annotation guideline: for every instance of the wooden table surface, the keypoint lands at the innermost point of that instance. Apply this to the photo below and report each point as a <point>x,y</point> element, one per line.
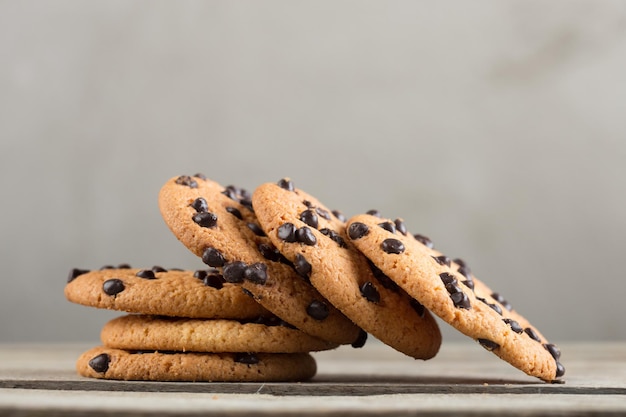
<point>462,380</point>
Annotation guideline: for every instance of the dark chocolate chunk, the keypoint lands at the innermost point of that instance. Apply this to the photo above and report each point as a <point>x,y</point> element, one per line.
<point>256,229</point>
<point>532,334</point>
<point>515,326</point>
<point>269,252</point>
<point>213,257</point>
<point>373,212</point>
<point>318,310</point>
<point>442,260</point>
<point>560,369</point>
<point>382,278</point>
<point>400,226</point>
<point>369,291</point>
<point>286,184</point>
<point>256,273</point>
<point>146,274</point>
<point>418,307</point>
<point>334,236</point>
<point>554,351</point>
<point>157,268</point>
<point>310,218</point>
<point>302,266</point>
<point>75,273</point>
<point>306,236</point>
<point>214,281</point>
<point>339,215</point>
<point>447,278</point>
<point>287,232</point>
<point>460,300</point>
<point>187,180</point>
<point>424,241</point>
<point>113,286</point>
<point>246,358</point>
<point>234,271</point>
<point>357,230</point>
<point>200,205</point>
<point>360,340</point>
<point>100,363</point>
<point>235,212</point>
<point>392,246</point>
<point>388,226</point>
<point>205,219</point>
<point>488,344</point>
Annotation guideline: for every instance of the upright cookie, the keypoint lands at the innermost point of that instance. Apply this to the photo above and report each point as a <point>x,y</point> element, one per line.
<point>314,239</point>
<point>141,332</point>
<point>449,290</point>
<point>194,294</point>
<point>107,363</point>
<point>219,225</point>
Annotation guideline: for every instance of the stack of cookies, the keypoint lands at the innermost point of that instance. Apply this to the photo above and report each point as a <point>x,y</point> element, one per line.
<point>287,276</point>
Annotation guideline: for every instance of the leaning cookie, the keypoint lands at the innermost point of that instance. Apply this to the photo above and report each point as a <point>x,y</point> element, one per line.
<point>218,224</point>
<point>194,294</point>
<point>270,335</point>
<point>108,363</point>
<point>448,289</point>
<point>314,239</point>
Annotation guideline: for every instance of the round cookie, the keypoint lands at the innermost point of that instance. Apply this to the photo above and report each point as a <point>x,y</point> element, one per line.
<point>448,288</point>
<point>219,225</point>
<point>313,238</point>
<point>108,363</point>
<point>142,332</point>
<point>194,294</point>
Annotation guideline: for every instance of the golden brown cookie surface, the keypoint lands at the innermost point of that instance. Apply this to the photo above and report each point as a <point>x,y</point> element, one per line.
<point>449,290</point>
<point>314,239</point>
<point>217,224</point>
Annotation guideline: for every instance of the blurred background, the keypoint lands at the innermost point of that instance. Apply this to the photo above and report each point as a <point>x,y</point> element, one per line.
<point>496,128</point>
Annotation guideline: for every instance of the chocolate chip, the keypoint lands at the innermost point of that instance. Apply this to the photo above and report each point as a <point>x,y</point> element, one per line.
<point>339,215</point>
<point>469,284</point>
<point>453,288</point>
<point>287,232</point>
<point>214,281</point>
<point>322,213</point>
<point>269,252</point>
<point>442,260</point>
<point>256,229</point>
<point>256,273</point>
<point>465,271</point>
<point>308,203</point>
<point>302,266</point>
<point>418,307</point>
<point>123,266</point>
<point>494,307</point>
<point>235,212</point>
<point>357,230</point>
<point>234,271</point>
<point>113,286</point>
<point>200,274</point>
<point>200,205</point>
<point>424,241</point>
<point>246,358</point>
<point>560,369</point>
<point>515,326</point>
<point>400,226</point>
<point>334,236</point>
<point>392,246</point>
<point>205,219</point>
<point>382,278</point>
<point>306,236</point>
<point>75,273</point>
<point>374,213</point>
<point>310,218</point>
<point>248,293</point>
<point>360,340</point>
<point>388,226</point>
<point>460,300</point>
<point>240,195</point>
<point>286,184</point>
<point>187,180</point>
<point>554,351</point>
<point>201,176</point>
<point>488,344</point>
<point>369,291</point>
<point>213,257</point>
<point>157,269</point>
<point>146,274</point>
<point>532,334</point>
<point>318,310</point>
<point>447,278</point>
<point>502,301</point>
<point>100,363</point>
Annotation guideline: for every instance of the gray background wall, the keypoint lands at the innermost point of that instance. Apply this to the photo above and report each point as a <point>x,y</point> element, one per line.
<point>496,128</point>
